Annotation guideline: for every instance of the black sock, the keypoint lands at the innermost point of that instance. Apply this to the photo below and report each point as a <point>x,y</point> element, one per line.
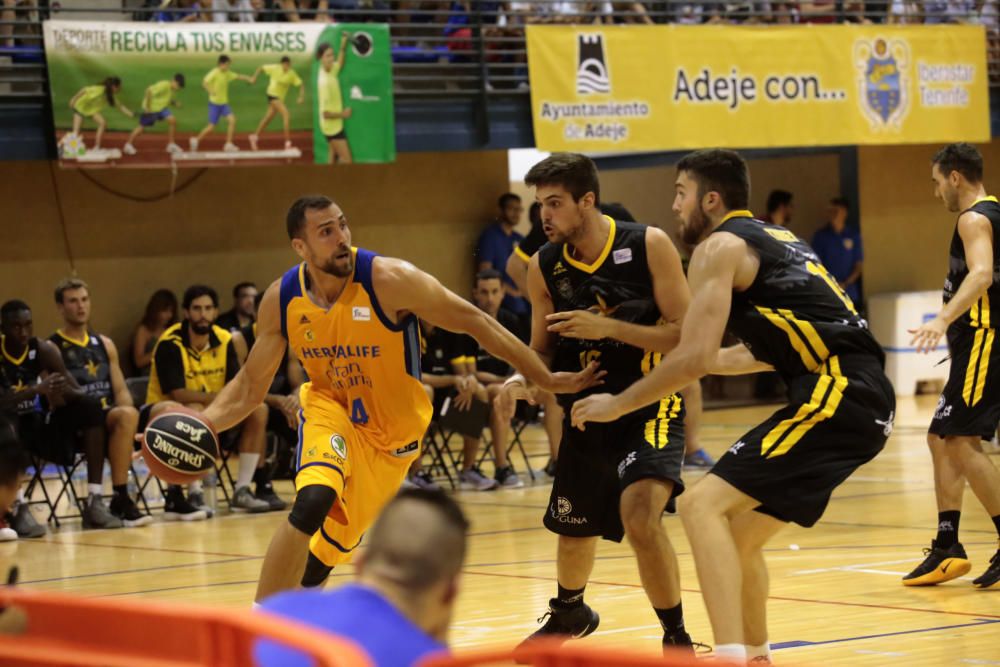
<point>121,490</point>
<point>570,598</point>
<point>996,523</point>
<point>671,619</point>
<point>947,534</point>
<point>261,478</point>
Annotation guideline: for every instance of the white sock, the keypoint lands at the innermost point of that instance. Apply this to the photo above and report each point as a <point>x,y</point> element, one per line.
<point>94,489</point>
<point>194,487</point>
<point>761,651</point>
<point>730,653</point>
<point>248,465</point>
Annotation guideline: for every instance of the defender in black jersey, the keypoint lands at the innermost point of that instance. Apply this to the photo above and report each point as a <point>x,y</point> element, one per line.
<point>769,288</point>
<point>613,293</point>
<point>969,407</point>
<point>92,360</point>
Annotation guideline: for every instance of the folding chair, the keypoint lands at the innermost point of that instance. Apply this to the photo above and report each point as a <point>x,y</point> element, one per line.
<point>137,387</point>
<point>64,474</point>
<point>523,417</point>
<point>436,444</point>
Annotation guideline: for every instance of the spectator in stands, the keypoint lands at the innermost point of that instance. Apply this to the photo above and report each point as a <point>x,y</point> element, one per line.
<point>179,11</point>
<point>839,249</point>
<point>821,11</point>
<point>243,312</point>
<point>779,208</point>
<point>192,361</point>
<point>295,11</point>
<point>161,312</point>
<point>7,16</point>
<point>241,11</point>
<point>905,12</point>
<point>91,359</point>
<point>13,463</point>
<point>407,585</point>
<point>53,415</point>
<point>282,403</point>
<point>496,245</point>
<point>628,12</point>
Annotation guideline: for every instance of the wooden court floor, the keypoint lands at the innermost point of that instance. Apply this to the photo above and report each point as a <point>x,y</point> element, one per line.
<point>836,596</point>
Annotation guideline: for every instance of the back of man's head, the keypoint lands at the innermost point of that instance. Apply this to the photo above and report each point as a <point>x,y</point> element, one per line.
<point>417,543</point>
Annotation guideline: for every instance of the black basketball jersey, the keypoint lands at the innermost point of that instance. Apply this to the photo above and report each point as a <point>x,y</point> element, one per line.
<point>17,374</point>
<point>619,285</point>
<point>794,316</point>
<point>986,309</point>
<point>87,361</point>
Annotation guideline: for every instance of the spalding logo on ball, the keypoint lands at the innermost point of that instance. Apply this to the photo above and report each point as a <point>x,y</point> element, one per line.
<point>180,447</point>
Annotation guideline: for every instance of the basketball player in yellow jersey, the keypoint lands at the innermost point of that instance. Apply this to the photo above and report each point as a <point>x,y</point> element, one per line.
<point>350,317</point>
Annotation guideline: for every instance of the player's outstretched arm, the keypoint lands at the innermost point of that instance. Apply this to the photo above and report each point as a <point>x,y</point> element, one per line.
<point>712,274</point>
<point>402,288</point>
<point>977,238</point>
<point>670,290</point>
<point>249,388</point>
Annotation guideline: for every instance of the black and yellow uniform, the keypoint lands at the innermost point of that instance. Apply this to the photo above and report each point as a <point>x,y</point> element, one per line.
<point>88,362</point>
<point>177,366</point>
<point>595,465</point>
<point>440,351</point>
<point>49,433</point>
<point>970,402</point>
<point>795,317</point>
<point>17,374</point>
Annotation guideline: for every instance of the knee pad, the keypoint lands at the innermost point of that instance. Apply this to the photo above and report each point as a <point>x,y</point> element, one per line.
<point>311,506</point>
<point>316,572</point>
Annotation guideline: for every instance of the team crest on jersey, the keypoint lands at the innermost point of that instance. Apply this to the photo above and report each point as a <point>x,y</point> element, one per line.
<point>564,287</point>
<point>883,81</point>
<point>339,446</point>
<point>310,336</point>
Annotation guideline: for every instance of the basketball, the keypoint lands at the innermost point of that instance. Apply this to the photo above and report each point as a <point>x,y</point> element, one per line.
<point>180,446</point>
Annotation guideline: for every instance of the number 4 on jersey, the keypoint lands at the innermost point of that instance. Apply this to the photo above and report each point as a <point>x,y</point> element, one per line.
<point>358,413</point>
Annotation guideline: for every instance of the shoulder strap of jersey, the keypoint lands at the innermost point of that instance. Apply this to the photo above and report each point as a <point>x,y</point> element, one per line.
<point>291,287</point>
<point>976,203</point>
<point>363,265</point>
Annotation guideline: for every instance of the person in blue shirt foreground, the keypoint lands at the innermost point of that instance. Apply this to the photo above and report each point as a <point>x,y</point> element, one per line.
<point>400,608</point>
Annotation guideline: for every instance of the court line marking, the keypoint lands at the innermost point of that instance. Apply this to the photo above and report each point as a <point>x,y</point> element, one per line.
<point>780,598</point>
<point>137,570</point>
<point>133,547</point>
<point>802,643</point>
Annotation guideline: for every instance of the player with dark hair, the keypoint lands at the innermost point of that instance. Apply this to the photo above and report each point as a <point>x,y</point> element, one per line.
<point>769,288</point>
<point>244,310</point>
<point>613,292</point>
<point>350,317</point>
<point>970,403</point>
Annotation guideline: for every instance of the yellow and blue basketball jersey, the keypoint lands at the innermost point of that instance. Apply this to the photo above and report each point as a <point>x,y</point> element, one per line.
<point>358,358</point>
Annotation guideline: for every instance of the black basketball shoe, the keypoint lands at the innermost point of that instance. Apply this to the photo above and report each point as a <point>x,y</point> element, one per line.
<point>941,565</point>
<point>991,577</point>
<point>681,641</point>
<point>566,623</point>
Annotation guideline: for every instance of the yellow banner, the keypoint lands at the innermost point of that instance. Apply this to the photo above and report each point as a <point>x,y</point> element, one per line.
<point>644,88</point>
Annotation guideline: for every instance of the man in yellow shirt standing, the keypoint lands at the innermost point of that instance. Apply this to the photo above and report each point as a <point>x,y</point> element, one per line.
<point>216,83</point>
<point>332,112</point>
<point>156,105</point>
<point>280,79</point>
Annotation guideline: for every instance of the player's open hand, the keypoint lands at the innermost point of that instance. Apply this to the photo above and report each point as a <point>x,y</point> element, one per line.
<point>572,383</point>
<point>595,408</point>
<point>505,402</point>
<point>927,336</point>
<point>580,324</point>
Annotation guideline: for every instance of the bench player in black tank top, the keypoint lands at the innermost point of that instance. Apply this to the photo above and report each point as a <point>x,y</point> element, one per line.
<point>611,292</point>
<point>92,359</point>
<point>790,315</point>
<point>970,404</point>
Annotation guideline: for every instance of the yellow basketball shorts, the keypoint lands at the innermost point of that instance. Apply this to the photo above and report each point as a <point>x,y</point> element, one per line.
<point>365,475</point>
